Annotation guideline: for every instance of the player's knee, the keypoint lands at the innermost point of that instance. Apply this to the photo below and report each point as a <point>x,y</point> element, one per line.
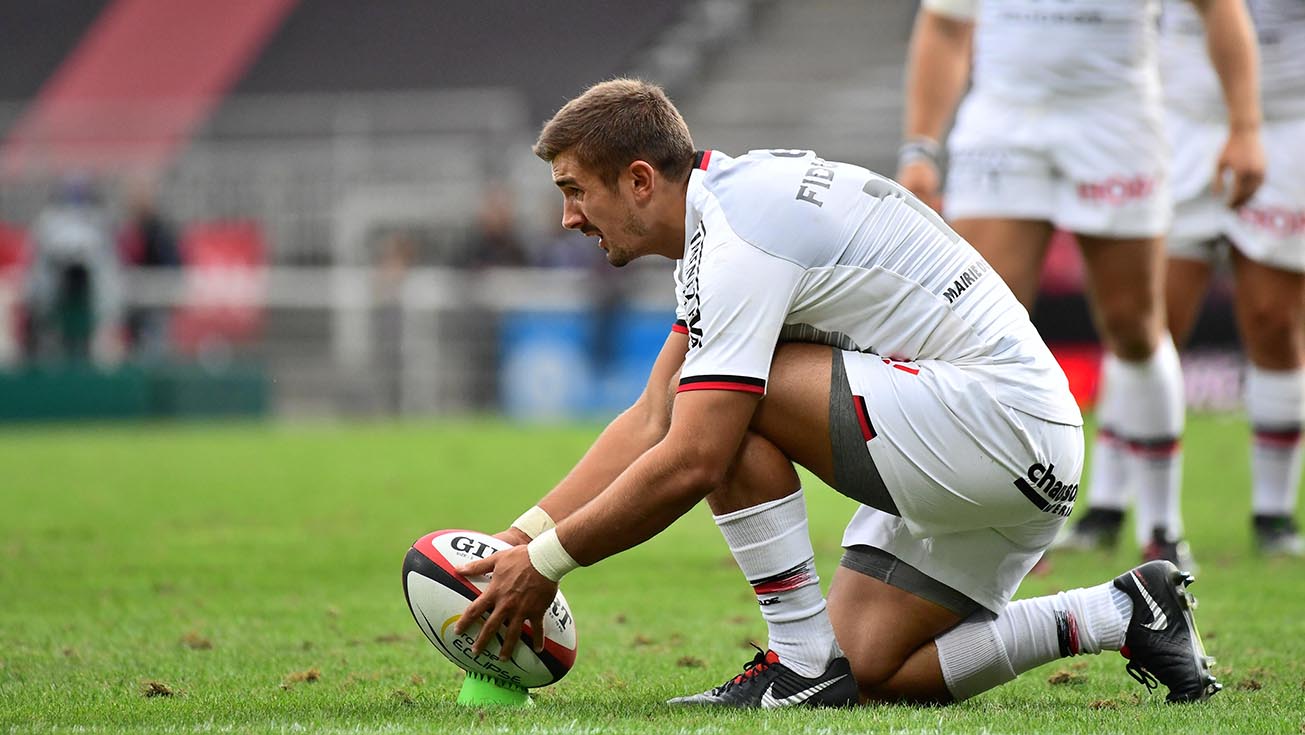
<point>1133,336</point>
<point>872,670</point>
<point>1275,333</point>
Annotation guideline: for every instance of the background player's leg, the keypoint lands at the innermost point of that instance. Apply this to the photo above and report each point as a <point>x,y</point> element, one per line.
<point>1270,305</point>
<point>1109,490</point>
<point>1186,282</point>
<point>1125,280</point>
<point>1015,248</point>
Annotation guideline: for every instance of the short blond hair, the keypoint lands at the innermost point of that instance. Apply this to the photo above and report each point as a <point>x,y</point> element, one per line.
<point>615,123</point>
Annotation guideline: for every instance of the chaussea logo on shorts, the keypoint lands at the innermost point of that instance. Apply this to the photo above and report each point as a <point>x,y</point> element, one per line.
<point>1041,486</point>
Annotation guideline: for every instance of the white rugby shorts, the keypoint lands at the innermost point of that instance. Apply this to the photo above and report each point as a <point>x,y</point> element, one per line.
<point>982,489</point>
<point>1094,167</point>
<point>1270,229</point>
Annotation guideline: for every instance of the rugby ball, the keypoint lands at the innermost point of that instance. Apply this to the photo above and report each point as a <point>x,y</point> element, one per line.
<point>437,596</point>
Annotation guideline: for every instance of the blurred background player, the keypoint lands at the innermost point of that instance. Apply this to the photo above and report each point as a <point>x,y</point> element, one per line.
<point>1062,128</point>
<point>147,240</point>
<point>74,294</point>
<point>1267,255</point>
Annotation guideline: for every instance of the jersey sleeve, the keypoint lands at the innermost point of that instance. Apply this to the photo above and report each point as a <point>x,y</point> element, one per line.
<point>965,9</point>
<point>743,298</point>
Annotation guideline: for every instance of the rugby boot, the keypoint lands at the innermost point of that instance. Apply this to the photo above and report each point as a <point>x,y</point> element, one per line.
<point>1161,644</point>
<point>767,683</point>
<point>1175,551</point>
<point>1098,529</point>
<point>1278,536</point>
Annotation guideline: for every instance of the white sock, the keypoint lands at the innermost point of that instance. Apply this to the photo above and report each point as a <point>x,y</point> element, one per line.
<point>771,544</point>
<point>1151,408</point>
<point>983,652</point>
<point>1275,405</point>
<point>1108,481</point>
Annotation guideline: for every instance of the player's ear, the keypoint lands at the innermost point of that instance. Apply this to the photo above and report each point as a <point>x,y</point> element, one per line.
<point>642,179</point>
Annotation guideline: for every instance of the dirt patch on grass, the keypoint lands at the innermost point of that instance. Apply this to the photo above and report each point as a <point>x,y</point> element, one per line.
<point>196,642</point>
<point>151,688</point>
<point>402,697</point>
<point>1104,704</point>
<point>1249,684</point>
<point>309,676</point>
<point>1065,676</point>
<point>689,662</point>
<point>417,680</point>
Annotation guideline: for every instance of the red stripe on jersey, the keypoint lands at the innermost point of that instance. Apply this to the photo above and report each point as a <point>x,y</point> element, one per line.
<point>722,385</point>
<point>863,418</point>
<point>680,328</point>
<point>706,159</point>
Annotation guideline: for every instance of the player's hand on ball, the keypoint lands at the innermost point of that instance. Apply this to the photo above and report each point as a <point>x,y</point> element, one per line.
<point>921,179</point>
<point>517,595</point>
<point>1241,167</point>
<point>513,535</point>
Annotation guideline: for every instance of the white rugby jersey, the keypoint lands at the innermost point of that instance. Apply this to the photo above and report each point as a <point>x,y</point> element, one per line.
<point>1039,50</point>
<point>784,246</point>
<point>1190,84</point>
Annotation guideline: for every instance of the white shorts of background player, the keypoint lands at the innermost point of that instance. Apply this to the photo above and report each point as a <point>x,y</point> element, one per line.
<point>1270,229</point>
<point>1096,166</point>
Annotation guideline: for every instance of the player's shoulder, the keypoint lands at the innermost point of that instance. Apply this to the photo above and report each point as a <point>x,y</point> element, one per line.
<point>783,202</point>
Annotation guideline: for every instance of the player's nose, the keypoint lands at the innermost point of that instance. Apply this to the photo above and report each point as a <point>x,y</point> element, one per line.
<point>572,217</point>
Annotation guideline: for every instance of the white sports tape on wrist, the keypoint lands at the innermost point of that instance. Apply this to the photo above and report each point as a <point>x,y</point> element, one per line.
<point>534,522</point>
<point>549,557</point>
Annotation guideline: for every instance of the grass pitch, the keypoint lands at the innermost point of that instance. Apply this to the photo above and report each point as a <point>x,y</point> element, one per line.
<point>246,579</point>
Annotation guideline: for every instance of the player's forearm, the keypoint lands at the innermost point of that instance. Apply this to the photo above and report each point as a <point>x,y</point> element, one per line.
<point>1232,48</point>
<point>938,67</point>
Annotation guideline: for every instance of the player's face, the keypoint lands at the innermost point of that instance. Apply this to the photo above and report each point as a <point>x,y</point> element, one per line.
<point>596,209</point>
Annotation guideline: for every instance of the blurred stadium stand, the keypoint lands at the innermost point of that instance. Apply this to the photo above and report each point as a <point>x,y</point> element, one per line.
<point>343,127</point>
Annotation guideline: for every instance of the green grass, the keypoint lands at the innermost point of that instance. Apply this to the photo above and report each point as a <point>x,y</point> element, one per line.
<point>228,563</point>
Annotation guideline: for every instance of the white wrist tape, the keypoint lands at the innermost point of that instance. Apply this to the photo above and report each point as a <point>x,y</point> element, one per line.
<point>548,556</point>
<point>534,522</point>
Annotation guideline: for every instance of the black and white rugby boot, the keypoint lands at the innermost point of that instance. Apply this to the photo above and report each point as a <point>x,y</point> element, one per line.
<point>767,683</point>
<point>1277,535</point>
<point>1162,643</point>
<point>1174,550</point>
<point>1098,530</point>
